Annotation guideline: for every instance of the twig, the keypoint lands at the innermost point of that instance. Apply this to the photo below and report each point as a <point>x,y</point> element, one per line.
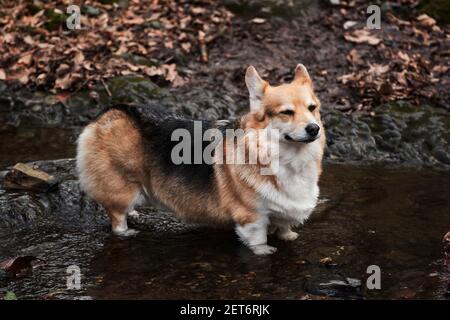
<point>106,87</point>
<point>203,48</point>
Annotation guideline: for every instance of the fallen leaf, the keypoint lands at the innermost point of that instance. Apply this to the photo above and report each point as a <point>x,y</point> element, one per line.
<point>378,69</point>
<point>79,58</point>
<point>22,75</point>
<point>426,20</point>
<point>326,261</point>
<point>362,36</point>
<point>354,57</point>
<point>67,81</point>
<point>26,59</point>
<point>404,56</point>
<point>198,10</point>
<point>440,69</point>
<point>134,21</point>
<point>401,78</point>
<point>348,77</point>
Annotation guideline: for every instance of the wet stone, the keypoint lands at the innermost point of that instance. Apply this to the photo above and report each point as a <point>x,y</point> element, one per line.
<point>25,177</point>
<point>334,286</point>
<point>63,227</point>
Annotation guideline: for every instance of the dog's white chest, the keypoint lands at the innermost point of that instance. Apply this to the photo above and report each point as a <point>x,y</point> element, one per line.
<point>296,193</point>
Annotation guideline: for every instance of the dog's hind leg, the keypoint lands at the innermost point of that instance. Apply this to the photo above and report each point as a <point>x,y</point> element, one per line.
<point>118,211</point>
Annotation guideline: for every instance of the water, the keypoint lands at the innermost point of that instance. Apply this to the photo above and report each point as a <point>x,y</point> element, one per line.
<point>34,143</point>
<point>391,217</point>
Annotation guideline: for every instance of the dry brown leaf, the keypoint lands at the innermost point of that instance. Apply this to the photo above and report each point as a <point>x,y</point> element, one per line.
<point>67,81</point>
<point>22,74</point>
<point>403,56</point>
<point>28,40</point>
<point>326,261</point>
<point>62,69</point>
<point>378,69</point>
<point>354,57</point>
<point>41,79</point>
<point>79,58</point>
<point>440,68</point>
<point>198,10</point>
<point>26,59</point>
<point>186,46</point>
<point>362,36</point>
<point>426,20</point>
<point>401,78</point>
<point>134,21</point>
<point>348,77</point>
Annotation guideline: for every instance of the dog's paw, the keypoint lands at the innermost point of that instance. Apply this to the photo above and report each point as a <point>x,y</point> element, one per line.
<point>126,233</point>
<point>288,235</point>
<point>263,249</point>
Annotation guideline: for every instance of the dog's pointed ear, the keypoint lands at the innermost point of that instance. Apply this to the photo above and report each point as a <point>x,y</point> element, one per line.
<point>301,74</point>
<point>256,86</point>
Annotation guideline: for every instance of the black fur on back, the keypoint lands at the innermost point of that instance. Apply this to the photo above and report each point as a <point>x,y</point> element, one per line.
<point>156,126</point>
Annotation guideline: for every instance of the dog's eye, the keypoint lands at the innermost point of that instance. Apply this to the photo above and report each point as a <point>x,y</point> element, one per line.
<point>287,112</point>
<point>312,107</point>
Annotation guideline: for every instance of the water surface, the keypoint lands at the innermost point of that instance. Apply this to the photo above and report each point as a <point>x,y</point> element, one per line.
<point>391,217</point>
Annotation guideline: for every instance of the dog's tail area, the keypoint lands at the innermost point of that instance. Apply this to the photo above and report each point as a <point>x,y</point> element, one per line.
<point>83,142</point>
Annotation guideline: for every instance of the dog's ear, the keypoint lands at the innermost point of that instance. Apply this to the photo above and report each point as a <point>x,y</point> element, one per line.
<point>301,74</point>
<point>256,86</point>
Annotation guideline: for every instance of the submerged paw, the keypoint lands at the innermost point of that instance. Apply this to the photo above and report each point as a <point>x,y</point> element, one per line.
<point>287,235</point>
<point>263,249</point>
<point>126,233</point>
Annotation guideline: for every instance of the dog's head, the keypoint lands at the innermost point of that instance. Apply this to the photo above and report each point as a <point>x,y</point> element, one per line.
<point>291,108</point>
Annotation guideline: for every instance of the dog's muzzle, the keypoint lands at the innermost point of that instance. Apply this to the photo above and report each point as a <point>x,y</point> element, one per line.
<point>312,131</point>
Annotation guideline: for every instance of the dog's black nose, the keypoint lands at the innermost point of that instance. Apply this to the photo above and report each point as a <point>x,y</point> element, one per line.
<point>312,129</point>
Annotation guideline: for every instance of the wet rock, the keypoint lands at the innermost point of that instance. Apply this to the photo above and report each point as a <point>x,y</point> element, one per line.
<point>334,285</point>
<point>400,132</point>
<point>446,245</point>
<point>281,8</point>
<point>25,177</point>
<point>40,109</point>
<point>70,207</point>
<point>397,133</point>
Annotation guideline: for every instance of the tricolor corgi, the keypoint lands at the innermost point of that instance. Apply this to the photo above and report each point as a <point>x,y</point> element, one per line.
<point>126,156</point>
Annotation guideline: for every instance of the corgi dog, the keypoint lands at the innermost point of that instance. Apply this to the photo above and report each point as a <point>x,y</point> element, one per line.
<point>125,157</point>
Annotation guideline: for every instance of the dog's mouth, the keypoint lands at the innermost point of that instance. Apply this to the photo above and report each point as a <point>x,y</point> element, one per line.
<point>304,140</point>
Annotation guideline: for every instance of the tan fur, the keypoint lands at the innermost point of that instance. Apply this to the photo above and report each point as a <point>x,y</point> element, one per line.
<point>115,172</point>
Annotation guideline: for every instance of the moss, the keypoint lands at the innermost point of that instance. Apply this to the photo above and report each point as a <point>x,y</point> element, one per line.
<point>10,296</point>
<point>55,19</point>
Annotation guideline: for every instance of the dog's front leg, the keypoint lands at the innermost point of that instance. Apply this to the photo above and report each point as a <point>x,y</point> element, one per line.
<point>254,235</point>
